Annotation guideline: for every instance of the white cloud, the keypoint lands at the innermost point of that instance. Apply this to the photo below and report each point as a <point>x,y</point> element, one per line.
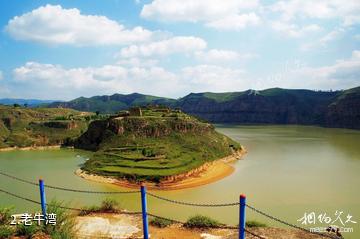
<point>347,11</point>
<point>235,22</point>
<point>214,78</point>
<point>297,16</point>
<point>343,74</point>
<point>331,36</point>
<point>221,57</point>
<point>325,40</point>
<point>217,56</point>
<point>292,30</point>
<point>164,47</point>
<point>46,80</point>
<point>226,15</point>
<point>49,80</point>
<point>55,25</point>
<point>138,62</point>
<point>351,20</point>
<point>1,75</point>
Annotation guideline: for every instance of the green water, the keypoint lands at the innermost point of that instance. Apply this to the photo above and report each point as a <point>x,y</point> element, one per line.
<point>289,170</point>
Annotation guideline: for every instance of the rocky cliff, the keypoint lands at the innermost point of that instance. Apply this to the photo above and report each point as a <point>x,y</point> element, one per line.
<point>278,106</point>
<point>271,106</point>
<point>152,147</point>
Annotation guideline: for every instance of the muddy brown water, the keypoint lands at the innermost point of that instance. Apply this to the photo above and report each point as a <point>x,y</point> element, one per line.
<point>287,172</point>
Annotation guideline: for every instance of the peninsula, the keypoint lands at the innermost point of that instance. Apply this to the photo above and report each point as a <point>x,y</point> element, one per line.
<point>164,147</point>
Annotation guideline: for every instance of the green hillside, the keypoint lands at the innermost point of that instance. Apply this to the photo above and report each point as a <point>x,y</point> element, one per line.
<point>141,144</point>
<point>159,143</point>
<point>270,106</point>
<point>113,103</point>
<point>277,106</point>
<point>23,127</point>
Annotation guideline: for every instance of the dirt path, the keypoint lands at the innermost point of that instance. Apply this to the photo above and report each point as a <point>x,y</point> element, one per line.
<point>30,148</point>
<point>116,226</point>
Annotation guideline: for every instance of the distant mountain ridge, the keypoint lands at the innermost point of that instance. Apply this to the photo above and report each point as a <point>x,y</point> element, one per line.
<point>271,106</point>
<point>29,102</point>
<point>112,103</point>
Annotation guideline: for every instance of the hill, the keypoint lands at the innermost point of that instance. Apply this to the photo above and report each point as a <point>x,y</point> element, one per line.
<point>23,127</point>
<point>113,103</point>
<point>28,102</point>
<point>278,106</point>
<point>152,144</point>
<point>271,106</point>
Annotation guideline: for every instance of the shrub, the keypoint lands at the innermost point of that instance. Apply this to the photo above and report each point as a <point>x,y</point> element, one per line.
<point>109,205</point>
<point>201,222</point>
<point>65,222</point>
<point>6,231</point>
<point>88,210</point>
<point>160,222</point>
<point>27,231</point>
<point>255,224</point>
<point>148,152</point>
<point>5,216</point>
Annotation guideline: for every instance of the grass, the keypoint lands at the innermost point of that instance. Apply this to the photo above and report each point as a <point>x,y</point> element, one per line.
<point>6,231</point>
<point>65,222</point>
<point>222,97</point>
<point>253,223</point>
<point>24,127</point>
<point>199,221</point>
<point>64,228</point>
<point>5,215</point>
<point>160,222</point>
<point>27,231</point>
<point>108,205</point>
<point>162,143</point>
<point>150,149</point>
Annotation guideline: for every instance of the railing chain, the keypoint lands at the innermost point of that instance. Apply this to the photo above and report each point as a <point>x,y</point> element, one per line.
<point>193,204</point>
<point>66,189</point>
<point>289,224</point>
<point>63,207</point>
<point>164,199</point>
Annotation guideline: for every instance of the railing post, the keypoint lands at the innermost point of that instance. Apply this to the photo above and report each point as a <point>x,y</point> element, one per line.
<point>144,212</point>
<point>42,197</point>
<point>242,216</point>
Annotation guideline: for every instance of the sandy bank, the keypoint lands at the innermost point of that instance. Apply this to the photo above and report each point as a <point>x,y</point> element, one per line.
<point>30,148</point>
<point>205,174</point>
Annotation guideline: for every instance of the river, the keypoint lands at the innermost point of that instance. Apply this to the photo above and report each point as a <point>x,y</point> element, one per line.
<point>287,172</point>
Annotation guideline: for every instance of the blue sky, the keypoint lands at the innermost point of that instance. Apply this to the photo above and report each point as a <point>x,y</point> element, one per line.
<point>65,49</point>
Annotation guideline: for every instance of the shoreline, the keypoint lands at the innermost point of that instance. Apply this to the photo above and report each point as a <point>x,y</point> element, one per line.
<point>7,149</point>
<point>207,173</point>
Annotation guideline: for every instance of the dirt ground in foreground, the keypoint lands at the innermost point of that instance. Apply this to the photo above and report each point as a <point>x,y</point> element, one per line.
<point>119,226</point>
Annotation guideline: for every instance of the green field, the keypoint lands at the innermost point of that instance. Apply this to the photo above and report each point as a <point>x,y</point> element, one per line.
<point>24,127</point>
<point>152,146</point>
<point>146,143</point>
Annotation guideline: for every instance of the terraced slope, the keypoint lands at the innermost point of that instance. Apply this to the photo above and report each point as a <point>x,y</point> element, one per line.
<point>157,144</point>
<point>23,127</point>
